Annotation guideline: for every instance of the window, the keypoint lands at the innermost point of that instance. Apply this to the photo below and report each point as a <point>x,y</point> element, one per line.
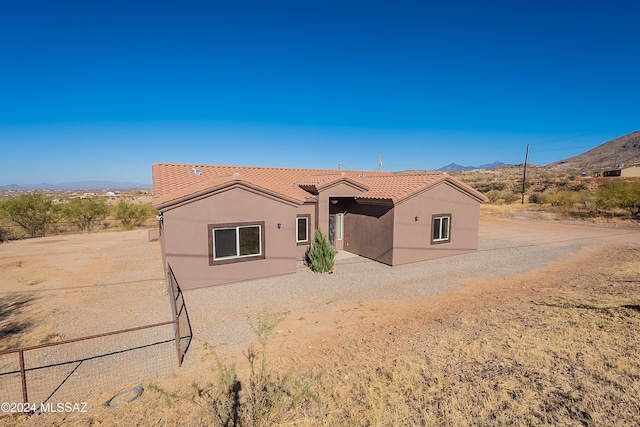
<point>302,229</point>
<point>235,242</point>
<point>441,228</point>
<point>340,220</point>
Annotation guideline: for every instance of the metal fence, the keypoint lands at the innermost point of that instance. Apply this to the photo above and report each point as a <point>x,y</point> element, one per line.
<point>182,326</point>
<point>74,369</point>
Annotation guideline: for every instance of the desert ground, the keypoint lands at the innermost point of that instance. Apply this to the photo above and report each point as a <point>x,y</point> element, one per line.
<point>482,324</point>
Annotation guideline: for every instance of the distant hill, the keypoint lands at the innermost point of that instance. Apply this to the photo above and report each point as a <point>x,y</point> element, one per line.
<point>493,165</point>
<point>81,185</point>
<point>454,167</point>
<point>623,150</point>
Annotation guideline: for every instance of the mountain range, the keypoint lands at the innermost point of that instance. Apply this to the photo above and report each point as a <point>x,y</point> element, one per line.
<point>454,167</point>
<point>613,154</point>
<point>81,185</point>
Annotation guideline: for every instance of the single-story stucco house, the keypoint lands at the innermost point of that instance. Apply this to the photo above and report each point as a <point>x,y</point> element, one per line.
<point>223,224</point>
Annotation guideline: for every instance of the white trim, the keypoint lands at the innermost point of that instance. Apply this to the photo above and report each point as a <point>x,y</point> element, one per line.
<point>340,226</point>
<point>306,220</point>
<point>237,229</point>
<point>440,229</point>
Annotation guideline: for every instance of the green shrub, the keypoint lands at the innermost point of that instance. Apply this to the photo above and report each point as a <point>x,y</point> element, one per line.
<point>33,212</point>
<point>86,212</point>
<point>132,215</point>
<point>321,255</point>
<point>563,199</point>
<point>619,194</point>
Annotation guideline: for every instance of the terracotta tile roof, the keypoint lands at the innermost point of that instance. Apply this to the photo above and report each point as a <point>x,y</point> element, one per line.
<point>400,186</point>
<point>315,183</point>
<point>175,182</point>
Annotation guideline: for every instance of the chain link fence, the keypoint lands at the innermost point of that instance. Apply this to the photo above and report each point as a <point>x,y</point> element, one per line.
<point>74,369</point>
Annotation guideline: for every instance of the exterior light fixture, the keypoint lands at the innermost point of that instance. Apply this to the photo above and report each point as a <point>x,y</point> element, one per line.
<point>417,218</point>
<point>159,217</point>
<point>279,225</point>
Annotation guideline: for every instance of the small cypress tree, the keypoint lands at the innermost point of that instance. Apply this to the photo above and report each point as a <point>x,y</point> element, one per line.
<point>321,254</point>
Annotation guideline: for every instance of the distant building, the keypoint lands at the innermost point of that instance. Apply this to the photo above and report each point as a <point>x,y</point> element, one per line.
<point>632,171</point>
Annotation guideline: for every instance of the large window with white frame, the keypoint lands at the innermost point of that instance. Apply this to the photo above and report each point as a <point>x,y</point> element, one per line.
<point>302,229</point>
<point>441,228</point>
<point>235,242</point>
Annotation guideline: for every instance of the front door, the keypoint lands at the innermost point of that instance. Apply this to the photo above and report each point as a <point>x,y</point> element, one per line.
<point>332,230</point>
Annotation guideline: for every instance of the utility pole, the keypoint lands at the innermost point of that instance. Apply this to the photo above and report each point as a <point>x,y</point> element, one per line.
<point>524,176</point>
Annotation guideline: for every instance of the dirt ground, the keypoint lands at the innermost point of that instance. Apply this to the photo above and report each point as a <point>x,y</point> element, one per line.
<point>68,286</point>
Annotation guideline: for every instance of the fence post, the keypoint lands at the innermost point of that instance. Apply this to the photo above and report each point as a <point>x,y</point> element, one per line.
<point>23,375</point>
<point>178,343</point>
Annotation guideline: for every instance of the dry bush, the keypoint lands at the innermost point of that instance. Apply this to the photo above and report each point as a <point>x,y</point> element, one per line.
<point>502,197</point>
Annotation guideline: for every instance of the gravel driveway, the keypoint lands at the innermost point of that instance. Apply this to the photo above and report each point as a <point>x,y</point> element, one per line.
<point>219,315</point>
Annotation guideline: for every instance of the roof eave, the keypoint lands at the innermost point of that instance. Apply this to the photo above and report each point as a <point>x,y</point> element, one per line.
<point>375,201</point>
<point>479,197</point>
<point>345,180</point>
<point>198,195</point>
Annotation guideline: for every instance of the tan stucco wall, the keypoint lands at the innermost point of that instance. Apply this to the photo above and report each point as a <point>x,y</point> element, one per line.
<point>630,171</point>
<point>412,239</point>
<point>186,238</point>
<point>368,231</point>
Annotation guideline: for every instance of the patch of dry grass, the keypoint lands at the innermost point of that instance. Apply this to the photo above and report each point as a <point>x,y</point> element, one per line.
<point>567,357</point>
<point>560,364</point>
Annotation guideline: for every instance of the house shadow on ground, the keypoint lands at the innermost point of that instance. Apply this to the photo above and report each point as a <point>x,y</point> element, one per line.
<point>10,325</point>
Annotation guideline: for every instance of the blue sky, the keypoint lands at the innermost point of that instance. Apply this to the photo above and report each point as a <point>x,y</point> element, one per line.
<point>102,90</point>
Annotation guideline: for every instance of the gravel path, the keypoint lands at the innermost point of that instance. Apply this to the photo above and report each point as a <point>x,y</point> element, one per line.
<point>219,315</point>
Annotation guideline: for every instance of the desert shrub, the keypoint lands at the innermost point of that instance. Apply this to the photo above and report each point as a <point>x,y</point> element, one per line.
<point>321,256</point>
<point>511,197</point>
<point>563,199</point>
<point>538,198</point>
<point>577,185</point>
<point>587,200</point>
<point>33,212</point>
<point>86,212</point>
<point>493,196</point>
<point>489,186</point>
<point>268,396</point>
<point>619,194</point>
<point>500,197</point>
<point>4,234</point>
<point>132,215</point>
